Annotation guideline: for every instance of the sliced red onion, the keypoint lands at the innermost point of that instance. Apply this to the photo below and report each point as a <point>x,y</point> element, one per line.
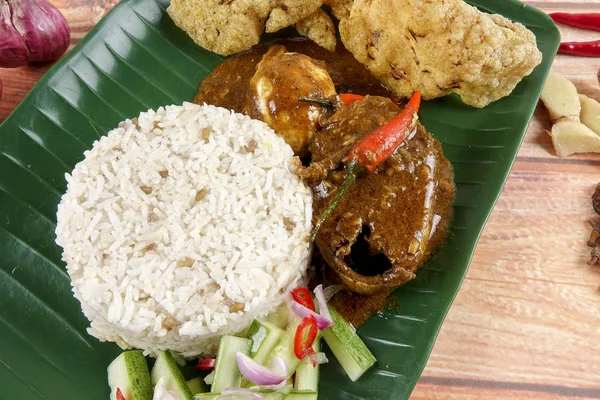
<point>279,366</point>
<point>331,291</point>
<point>301,311</point>
<point>323,308</point>
<point>257,373</point>
<point>161,392</point>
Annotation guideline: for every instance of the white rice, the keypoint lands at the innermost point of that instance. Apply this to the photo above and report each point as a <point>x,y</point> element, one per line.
<point>219,241</point>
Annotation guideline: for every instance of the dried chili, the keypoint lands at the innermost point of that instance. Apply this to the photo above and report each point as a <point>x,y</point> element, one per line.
<point>590,21</point>
<point>584,49</point>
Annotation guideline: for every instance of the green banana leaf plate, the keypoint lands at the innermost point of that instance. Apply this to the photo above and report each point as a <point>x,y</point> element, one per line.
<point>136,59</point>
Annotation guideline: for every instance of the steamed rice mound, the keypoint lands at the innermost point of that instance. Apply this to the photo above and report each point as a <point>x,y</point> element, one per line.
<point>182,226</point>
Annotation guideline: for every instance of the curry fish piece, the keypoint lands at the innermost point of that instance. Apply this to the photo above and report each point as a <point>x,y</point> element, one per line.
<point>280,78</point>
<point>439,47</point>
<point>390,221</point>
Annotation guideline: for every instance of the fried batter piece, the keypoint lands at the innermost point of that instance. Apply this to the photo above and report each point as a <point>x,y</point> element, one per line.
<point>340,8</point>
<point>439,47</point>
<point>319,28</point>
<point>231,26</point>
<point>288,12</point>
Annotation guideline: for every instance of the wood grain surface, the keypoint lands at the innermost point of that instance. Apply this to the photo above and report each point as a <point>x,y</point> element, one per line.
<point>526,323</point>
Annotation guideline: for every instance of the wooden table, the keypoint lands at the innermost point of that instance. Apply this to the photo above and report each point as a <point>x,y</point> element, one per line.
<point>526,323</point>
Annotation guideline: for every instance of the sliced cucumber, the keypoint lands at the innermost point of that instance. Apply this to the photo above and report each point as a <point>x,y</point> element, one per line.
<point>285,348</point>
<point>129,373</point>
<point>302,395</point>
<point>227,373</point>
<point>265,336</point>
<point>196,385</point>
<point>279,317</point>
<point>348,348</point>
<point>307,376</point>
<point>166,368</point>
<point>293,395</point>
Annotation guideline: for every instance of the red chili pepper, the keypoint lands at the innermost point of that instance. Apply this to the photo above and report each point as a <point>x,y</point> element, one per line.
<point>589,21</point>
<point>585,49</point>
<point>371,150</point>
<point>302,296</point>
<point>120,395</point>
<point>374,148</point>
<point>305,336</point>
<point>208,364</point>
<point>349,98</point>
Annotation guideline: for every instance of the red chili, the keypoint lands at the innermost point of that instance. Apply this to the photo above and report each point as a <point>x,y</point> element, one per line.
<point>589,21</point>
<point>349,98</point>
<point>120,395</point>
<point>371,150</point>
<point>208,364</point>
<point>305,336</point>
<point>585,49</point>
<point>302,296</point>
<point>374,148</point>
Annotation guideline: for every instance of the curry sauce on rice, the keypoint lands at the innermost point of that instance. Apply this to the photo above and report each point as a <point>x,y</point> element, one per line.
<point>183,225</point>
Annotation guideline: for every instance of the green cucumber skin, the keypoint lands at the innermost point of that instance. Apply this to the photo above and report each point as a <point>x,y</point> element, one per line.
<point>196,385</point>
<point>227,373</point>
<point>359,350</point>
<point>347,346</point>
<point>294,395</point>
<point>166,368</point>
<point>136,366</point>
<point>307,376</point>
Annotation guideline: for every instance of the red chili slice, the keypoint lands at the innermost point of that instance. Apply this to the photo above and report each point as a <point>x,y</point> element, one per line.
<point>120,395</point>
<point>301,295</point>
<point>305,336</point>
<point>208,364</point>
<point>349,98</point>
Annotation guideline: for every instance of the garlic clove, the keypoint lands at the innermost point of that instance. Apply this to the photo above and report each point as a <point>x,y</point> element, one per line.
<point>13,52</point>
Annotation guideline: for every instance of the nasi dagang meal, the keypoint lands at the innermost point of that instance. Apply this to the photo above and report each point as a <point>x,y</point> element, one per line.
<point>287,203</point>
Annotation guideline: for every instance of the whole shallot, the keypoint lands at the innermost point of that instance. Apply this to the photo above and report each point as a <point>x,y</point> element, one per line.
<point>31,31</point>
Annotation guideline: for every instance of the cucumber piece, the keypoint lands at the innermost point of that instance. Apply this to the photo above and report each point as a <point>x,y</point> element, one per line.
<point>227,373</point>
<point>196,385</point>
<point>279,317</point>
<point>129,372</point>
<point>285,348</point>
<point>265,336</point>
<point>166,368</point>
<point>347,347</point>
<point>293,395</point>
<point>307,376</point>
<point>302,395</point>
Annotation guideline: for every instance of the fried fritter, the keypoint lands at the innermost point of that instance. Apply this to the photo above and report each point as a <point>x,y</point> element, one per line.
<point>340,8</point>
<point>319,28</point>
<point>231,26</point>
<point>219,26</point>
<point>288,12</point>
<point>438,47</point>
